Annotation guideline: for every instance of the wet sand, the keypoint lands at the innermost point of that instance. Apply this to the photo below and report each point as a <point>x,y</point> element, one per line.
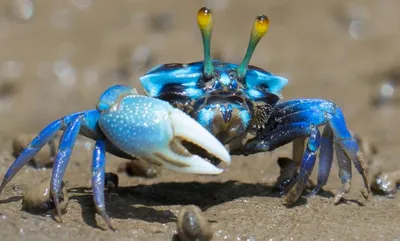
<point>308,42</point>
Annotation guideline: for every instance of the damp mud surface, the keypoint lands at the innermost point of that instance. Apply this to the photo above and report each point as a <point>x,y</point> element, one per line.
<point>59,60</point>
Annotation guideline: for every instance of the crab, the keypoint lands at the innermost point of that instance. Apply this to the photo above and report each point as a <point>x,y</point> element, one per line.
<point>194,116</point>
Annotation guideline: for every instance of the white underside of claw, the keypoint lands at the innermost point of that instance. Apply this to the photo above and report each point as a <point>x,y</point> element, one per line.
<point>186,128</point>
<point>195,164</point>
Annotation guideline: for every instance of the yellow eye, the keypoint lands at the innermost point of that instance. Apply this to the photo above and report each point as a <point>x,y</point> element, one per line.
<point>205,22</point>
<point>204,18</point>
<point>261,25</point>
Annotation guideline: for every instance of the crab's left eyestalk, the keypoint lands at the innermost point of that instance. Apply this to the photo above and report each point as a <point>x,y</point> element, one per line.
<point>260,27</point>
<point>205,22</point>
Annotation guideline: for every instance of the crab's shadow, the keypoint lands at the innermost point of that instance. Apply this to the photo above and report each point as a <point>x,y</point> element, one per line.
<point>126,202</point>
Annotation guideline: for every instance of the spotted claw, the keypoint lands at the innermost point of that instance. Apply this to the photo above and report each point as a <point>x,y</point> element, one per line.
<point>153,130</point>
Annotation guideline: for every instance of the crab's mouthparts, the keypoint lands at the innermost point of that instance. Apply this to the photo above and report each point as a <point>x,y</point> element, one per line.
<point>218,97</point>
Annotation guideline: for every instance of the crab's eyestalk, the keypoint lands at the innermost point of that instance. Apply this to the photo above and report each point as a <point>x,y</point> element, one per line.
<point>205,22</point>
<point>260,27</point>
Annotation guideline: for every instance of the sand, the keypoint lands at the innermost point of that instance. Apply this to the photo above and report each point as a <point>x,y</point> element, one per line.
<point>333,49</point>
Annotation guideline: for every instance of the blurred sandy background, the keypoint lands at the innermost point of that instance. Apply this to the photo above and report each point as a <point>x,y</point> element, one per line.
<point>57,57</point>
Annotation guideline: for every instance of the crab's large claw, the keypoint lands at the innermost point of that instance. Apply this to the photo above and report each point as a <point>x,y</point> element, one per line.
<point>152,129</point>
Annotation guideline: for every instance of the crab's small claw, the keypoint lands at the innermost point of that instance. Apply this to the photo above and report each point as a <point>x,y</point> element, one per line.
<point>153,130</point>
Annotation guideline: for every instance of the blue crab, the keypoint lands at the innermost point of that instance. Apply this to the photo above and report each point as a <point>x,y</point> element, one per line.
<point>194,116</point>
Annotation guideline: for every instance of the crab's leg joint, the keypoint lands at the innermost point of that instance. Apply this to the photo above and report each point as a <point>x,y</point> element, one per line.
<point>205,22</point>
<point>260,27</point>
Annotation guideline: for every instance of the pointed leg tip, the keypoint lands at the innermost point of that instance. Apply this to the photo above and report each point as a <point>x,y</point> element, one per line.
<point>58,213</point>
<point>3,185</point>
<point>296,191</point>
<point>58,218</point>
<point>110,226</point>
<point>287,202</point>
<point>113,228</point>
<point>291,198</point>
<point>345,189</point>
<point>107,219</point>
<point>365,192</point>
<point>337,198</point>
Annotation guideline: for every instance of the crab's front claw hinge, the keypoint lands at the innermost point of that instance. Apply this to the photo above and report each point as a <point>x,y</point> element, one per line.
<point>153,130</point>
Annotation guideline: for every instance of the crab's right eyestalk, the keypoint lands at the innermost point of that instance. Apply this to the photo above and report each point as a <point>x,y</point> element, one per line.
<point>260,27</point>
<point>205,22</point>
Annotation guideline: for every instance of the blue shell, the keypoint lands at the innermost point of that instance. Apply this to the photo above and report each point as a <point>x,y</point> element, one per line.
<point>257,82</point>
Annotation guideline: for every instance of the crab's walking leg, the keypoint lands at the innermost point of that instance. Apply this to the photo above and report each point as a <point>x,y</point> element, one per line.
<point>297,155</point>
<point>98,175</point>
<point>61,160</point>
<point>344,164</point>
<point>34,147</point>
<point>315,112</point>
<point>325,159</point>
<point>348,145</point>
<point>322,112</point>
<point>298,150</point>
<point>307,165</point>
<point>72,126</point>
